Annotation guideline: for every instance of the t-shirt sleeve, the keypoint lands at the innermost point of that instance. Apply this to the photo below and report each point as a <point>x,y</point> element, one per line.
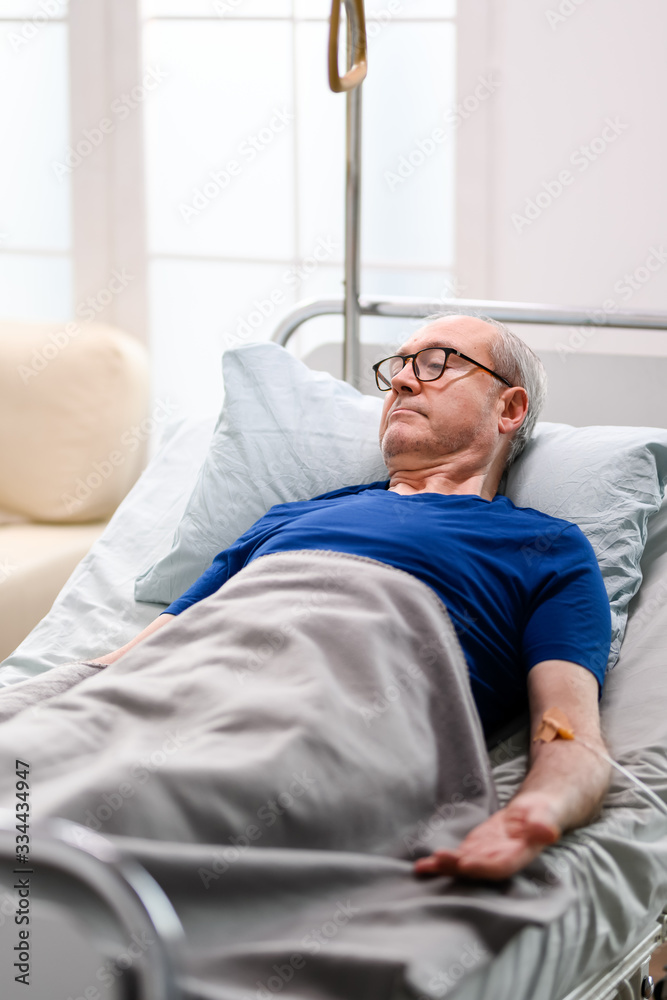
<point>569,616</point>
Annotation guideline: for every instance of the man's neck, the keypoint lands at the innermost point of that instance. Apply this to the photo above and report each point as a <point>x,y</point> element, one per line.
<point>483,484</point>
<point>467,489</point>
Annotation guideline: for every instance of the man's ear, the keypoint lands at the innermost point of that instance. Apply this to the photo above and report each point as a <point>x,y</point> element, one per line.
<point>515,408</point>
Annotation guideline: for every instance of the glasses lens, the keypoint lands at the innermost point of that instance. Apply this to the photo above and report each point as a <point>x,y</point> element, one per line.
<point>430,364</point>
<point>387,370</point>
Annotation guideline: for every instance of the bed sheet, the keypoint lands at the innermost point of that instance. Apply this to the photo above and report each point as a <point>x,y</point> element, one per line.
<point>95,611</point>
<point>619,863</point>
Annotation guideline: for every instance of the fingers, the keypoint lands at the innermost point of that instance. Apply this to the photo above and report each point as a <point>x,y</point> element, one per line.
<point>439,863</point>
<point>499,863</point>
<point>496,849</point>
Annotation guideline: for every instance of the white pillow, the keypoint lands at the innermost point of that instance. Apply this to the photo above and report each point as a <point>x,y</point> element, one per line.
<point>608,480</point>
<point>289,433</point>
<point>285,433</point>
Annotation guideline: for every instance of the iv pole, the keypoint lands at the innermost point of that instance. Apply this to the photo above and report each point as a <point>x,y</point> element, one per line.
<point>350,83</point>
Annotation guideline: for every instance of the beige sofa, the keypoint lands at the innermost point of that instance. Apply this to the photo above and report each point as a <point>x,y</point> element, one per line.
<point>73,435</point>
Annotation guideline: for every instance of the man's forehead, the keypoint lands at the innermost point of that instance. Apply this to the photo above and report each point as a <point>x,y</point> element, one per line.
<point>465,333</point>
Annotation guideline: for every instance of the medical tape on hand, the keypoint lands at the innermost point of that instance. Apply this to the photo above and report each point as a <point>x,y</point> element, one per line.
<point>555,723</point>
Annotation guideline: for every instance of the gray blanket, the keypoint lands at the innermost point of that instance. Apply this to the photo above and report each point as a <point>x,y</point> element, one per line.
<point>277,757</point>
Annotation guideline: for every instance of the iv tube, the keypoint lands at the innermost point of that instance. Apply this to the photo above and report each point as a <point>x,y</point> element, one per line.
<point>628,774</point>
<point>555,723</point>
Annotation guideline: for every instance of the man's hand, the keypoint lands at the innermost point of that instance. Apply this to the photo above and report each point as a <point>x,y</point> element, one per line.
<point>563,789</point>
<point>501,846</point>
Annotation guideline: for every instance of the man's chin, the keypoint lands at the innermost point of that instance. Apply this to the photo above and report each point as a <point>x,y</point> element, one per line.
<point>397,450</point>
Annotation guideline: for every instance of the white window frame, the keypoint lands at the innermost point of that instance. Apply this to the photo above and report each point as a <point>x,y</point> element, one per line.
<point>108,190</point>
<point>109,228</point>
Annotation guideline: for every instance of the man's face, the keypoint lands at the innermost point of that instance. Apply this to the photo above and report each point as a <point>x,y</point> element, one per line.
<point>425,422</point>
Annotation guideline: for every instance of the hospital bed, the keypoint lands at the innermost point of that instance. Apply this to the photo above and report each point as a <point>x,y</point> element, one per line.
<point>96,898</point>
<point>95,895</point>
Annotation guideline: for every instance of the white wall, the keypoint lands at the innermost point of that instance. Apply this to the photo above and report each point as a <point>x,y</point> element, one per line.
<point>565,69</point>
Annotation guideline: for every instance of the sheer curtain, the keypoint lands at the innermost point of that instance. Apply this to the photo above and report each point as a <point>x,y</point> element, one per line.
<point>245,152</point>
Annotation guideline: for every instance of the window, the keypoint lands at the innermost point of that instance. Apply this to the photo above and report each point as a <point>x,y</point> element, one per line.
<point>220,192</point>
<point>35,228</point>
<point>245,161</point>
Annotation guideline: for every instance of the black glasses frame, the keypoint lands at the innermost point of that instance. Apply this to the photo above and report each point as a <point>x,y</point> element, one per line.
<point>448,352</point>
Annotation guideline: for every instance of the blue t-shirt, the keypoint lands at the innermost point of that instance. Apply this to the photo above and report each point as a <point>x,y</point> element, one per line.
<point>520,586</point>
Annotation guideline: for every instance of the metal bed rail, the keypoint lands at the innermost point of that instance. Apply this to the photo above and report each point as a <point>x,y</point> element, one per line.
<point>65,854</point>
<point>119,901</point>
<point>124,890</point>
<point>398,307</point>
<point>629,978</point>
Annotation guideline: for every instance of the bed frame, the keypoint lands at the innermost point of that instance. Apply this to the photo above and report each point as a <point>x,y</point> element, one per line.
<point>117,898</point>
<point>113,899</point>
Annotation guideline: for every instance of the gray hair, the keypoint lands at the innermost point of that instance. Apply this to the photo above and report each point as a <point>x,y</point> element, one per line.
<point>514,360</point>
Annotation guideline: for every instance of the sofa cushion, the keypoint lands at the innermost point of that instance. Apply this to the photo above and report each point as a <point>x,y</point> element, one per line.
<point>35,562</point>
<point>72,412</point>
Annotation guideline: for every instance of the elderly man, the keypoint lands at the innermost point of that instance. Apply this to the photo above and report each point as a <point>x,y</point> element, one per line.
<point>462,397</point>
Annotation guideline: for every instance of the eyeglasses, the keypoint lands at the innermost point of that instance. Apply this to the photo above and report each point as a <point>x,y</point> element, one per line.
<point>430,366</point>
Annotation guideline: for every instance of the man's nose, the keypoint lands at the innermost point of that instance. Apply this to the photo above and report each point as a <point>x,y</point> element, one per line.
<point>406,378</point>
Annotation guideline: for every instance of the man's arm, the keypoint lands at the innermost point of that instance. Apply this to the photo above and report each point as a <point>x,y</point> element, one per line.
<point>159,622</point>
<point>563,789</point>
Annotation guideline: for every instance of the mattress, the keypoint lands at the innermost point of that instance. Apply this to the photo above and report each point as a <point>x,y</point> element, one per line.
<point>618,864</point>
